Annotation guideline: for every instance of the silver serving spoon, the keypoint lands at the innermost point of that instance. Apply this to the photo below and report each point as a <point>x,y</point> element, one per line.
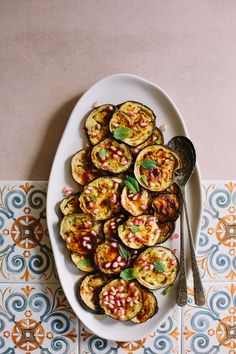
<point>187,155</point>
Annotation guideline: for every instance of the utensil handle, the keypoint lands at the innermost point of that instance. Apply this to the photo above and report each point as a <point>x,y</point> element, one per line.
<point>199,296</point>
<point>182,296</point>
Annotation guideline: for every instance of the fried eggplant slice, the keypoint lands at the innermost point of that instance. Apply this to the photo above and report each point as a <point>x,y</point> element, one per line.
<point>101,198</point>
<point>166,206</point>
<point>167,229</point>
<point>135,203</point>
<point>121,300</point>
<point>139,231</point>
<point>110,227</point>
<point>155,139</point>
<point>133,123</point>
<point>111,257</point>
<point>89,290</point>
<point>154,167</point>
<point>157,267</point>
<point>173,189</point>
<point>149,309</point>
<point>80,232</point>
<point>70,205</point>
<point>82,169</point>
<point>111,156</point>
<point>97,122</point>
<point>82,262</point>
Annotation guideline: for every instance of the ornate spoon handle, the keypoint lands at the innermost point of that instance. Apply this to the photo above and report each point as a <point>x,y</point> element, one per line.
<point>199,296</point>
<point>182,295</point>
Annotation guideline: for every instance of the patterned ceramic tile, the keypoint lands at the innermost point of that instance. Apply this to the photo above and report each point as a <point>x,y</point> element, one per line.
<point>25,251</point>
<point>36,318</point>
<point>212,328</point>
<point>166,339</point>
<point>217,242</point>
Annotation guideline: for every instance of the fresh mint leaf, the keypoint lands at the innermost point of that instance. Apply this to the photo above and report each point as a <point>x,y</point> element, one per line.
<point>159,266</point>
<point>148,164</point>
<point>122,133</point>
<point>123,252</point>
<point>132,184</point>
<point>167,289</point>
<point>102,153</point>
<point>129,273</point>
<point>134,228</point>
<point>82,263</point>
<point>144,179</point>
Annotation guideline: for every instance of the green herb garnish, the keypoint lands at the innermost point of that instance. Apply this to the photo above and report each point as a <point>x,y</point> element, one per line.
<point>167,289</point>
<point>122,133</point>
<point>82,263</point>
<point>129,273</point>
<point>159,266</point>
<point>144,179</point>
<point>102,153</point>
<point>134,228</point>
<point>148,164</point>
<point>123,252</point>
<point>93,196</point>
<point>132,184</point>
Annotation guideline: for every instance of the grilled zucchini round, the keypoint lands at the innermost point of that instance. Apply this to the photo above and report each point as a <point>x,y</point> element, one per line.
<point>166,206</point>
<point>121,300</point>
<point>110,227</point>
<point>140,231</point>
<point>111,257</point>
<point>136,120</point>
<point>149,309</point>
<point>155,139</point>
<point>155,166</point>
<point>111,156</point>
<point>80,232</point>
<point>82,262</point>
<point>70,205</point>
<point>82,169</point>
<point>136,204</point>
<point>157,267</point>
<point>101,198</point>
<point>97,122</point>
<point>88,292</point>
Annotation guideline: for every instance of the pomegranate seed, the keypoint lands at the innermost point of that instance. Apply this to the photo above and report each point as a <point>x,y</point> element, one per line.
<point>122,295</point>
<point>68,240</point>
<point>103,158</point>
<point>143,124</point>
<point>111,306</point>
<point>89,188</point>
<point>135,197</point>
<point>87,191</point>
<point>122,264</point>
<point>144,263</point>
<point>143,258</point>
<point>128,299</point>
<point>131,304</point>
<point>87,224</point>
<point>112,288</point>
<point>110,108</point>
<point>113,148</point>
<point>122,310</point>
<point>130,223</point>
<point>105,293</point>
<point>112,302</point>
<point>93,134</point>
<point>146,267</point>
<point>115,265</point>
<point>122,282</point>
<point>122,301</point>
<point>157,232</point>
<point>154,138</point>
<point>136,293</point>
<point>151,184</point>
<point>89,247</point>
<point>91,205</point>
<point>118,303</point>
<point>115,156</point>
<point>118,260</point>
<point>122,317</point>
<point>107,265</point>
<point>131,113</point>
<point>94,233</point>
<point>113,227</point>
<point>114,244</point>
<point>136,150</point>
<point>121,288</point>
<point>144,207</point>
<point>96,210</point>
<point>84,243</point>
<point>106,302</point>
<point>112,297</point>
<point>136,222</point>
<point>116,125</point>
<point>104,165</point>
<point>115,311</point>
<point>103,191</point>
<point>124,163</point>
<point>86,238</point>
<point>151,266</point>
<point>136,301</point>
<point>119,153</point>
<point>116,186</point>
<point>87,199</point>
<point>131,285</point>
<point>106,298</point>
